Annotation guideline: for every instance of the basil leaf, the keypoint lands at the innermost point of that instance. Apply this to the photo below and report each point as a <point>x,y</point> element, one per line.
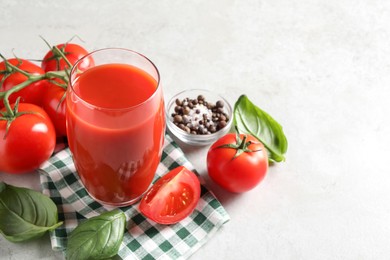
<point>98,237</point>
<point>250,119</point>
<point>25,214</point>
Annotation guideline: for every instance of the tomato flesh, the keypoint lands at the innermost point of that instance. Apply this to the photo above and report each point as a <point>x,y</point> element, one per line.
<point>172,198</point>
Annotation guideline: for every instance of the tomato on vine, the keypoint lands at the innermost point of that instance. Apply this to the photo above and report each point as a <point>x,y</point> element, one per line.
<point>33,93</point>
<point>27,138</point>
<point>54,61</point>
<point>55,106</point>
<point>238,163</point>
<point>27,132</point>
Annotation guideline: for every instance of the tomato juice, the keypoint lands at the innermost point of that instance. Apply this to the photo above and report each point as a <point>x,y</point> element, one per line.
<point>115,125</point>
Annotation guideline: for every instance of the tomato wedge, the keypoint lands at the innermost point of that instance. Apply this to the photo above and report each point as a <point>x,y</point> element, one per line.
<point>172,198</point>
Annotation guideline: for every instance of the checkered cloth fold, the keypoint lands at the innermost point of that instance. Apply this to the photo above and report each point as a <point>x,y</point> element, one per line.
<point>144,239</point>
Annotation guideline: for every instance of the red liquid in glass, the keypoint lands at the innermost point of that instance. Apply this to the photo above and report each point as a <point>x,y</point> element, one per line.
<point>116,125</point>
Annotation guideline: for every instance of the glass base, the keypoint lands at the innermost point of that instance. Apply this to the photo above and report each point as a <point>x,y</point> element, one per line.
<point>117,204</point>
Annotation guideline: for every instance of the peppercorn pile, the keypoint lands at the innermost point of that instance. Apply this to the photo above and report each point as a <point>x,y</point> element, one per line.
<point>199,117</point>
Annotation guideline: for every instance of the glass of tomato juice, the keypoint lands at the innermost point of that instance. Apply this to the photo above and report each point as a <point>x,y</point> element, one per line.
<point>115,124</point>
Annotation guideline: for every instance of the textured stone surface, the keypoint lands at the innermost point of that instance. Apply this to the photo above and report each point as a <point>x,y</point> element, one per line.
<point>321,68</point>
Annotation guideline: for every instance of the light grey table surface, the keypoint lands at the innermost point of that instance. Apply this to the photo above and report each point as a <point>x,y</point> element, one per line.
<point>320,68</point>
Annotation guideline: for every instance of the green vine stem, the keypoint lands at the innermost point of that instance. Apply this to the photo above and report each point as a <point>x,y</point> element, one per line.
<point>5,95</point>
<point>55,50</point>
<point>58,53</point>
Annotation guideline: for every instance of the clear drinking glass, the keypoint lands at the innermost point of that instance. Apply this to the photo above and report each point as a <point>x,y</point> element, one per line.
<point>115,124</point>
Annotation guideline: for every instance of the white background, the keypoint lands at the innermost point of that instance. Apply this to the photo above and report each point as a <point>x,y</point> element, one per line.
<point>320,68</point>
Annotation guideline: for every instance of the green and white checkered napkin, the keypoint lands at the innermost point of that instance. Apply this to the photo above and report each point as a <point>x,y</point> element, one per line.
<point>144,239</point>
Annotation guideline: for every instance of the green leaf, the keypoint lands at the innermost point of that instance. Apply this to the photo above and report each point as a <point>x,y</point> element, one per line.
<point>98,237</point>
<point>25,214</point>
<point>252,120</point>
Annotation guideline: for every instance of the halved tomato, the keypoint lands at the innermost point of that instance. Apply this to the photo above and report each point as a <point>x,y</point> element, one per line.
<point>172,198</point>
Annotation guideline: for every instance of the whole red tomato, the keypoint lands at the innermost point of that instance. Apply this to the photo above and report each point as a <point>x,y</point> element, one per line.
<point>73,52</point>
<point>55,106</point>
<point>172,198</point>
<point>237,163</point>
<point>33,93</point>
<point>30,140</point>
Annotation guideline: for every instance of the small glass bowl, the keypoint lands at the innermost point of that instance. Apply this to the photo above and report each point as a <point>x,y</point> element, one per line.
<point>193,139</point>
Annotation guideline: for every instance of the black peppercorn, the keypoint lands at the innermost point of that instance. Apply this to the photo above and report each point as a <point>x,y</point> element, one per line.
<point>178,119</point>
<point>220,103</point>
<point>199,116</point>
